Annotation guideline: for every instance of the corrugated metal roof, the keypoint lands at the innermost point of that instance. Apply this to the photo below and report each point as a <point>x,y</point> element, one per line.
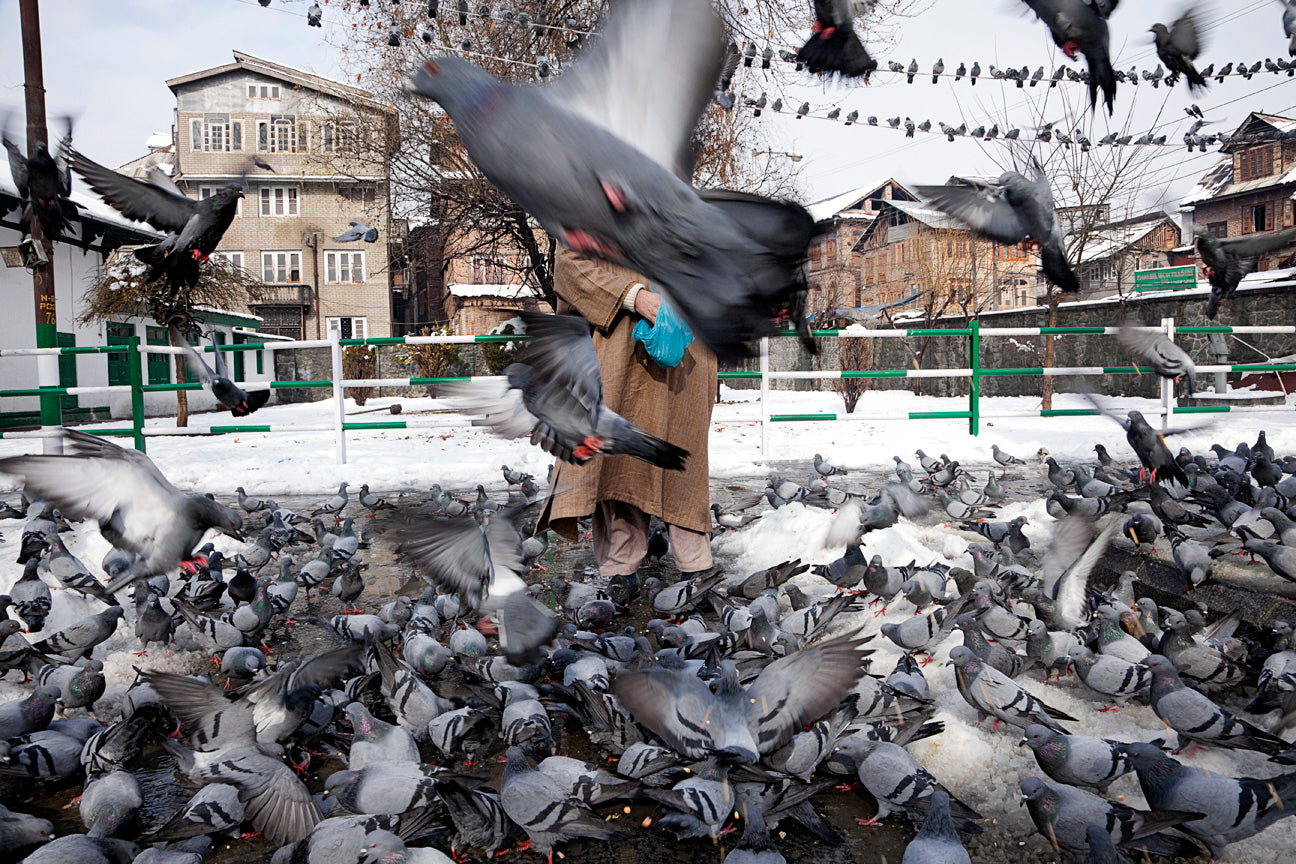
<point>89,205</point>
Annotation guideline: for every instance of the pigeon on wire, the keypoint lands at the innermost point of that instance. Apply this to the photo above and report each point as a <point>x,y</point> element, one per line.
<point>1226,261</point>
<point>481,564</point>
<point>606,173</point>
<point>137,509</point>
<point>1177,46</point>
<point>1010,210</point>
<point>742,722</point>
<point>556,396</point>
<point>357,231</point>
<point>43,183</point>
<point>240,402</point>
<point>834,46</point>
<point>194,228</point>
<point>1158,351</point>
<point>1081,26</point>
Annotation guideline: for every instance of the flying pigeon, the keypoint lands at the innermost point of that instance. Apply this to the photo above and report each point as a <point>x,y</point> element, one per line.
<point>357,231</point>
<point>314,16</point>
<point>136,507</point>
<point>1177,46</point>
<point>605,174</point>
<point>1010,210</point>
<point>736,720</point>
<point>1158,351</point>
<point>194,227</point>
<point>481,563</point>
<point>556,396</point>
<point>1226,261</point>
<point>1289,25</point>
<point>240,402</point>
<point>834,46</point>
<point>1081,25</point>
<point>43,184</point>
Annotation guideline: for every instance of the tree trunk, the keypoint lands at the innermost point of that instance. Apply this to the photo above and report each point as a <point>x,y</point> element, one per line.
<point>1048,349</point>
<point>182,396</point>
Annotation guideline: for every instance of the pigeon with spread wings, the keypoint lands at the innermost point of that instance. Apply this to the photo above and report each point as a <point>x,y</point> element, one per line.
<point>240,402</point>
<point>556,397</point>
<point>604,165</point>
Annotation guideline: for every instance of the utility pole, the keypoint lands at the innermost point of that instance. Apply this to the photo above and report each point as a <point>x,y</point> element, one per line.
<point>47,365</point>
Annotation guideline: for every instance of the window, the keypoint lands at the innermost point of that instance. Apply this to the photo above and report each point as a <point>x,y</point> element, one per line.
<point>342,136</point>
<point>347,328</point>
<point>344,267</point>
<point>278,200</point>
<point>364,196</point>
<point>234,258</point>
<point>216,133</point>
<point>1256,163</point>
<point>1259,217</point>
<point>281,267</point>
<point>159,365</point>
<point>1217,229</point>
<point>281,134</point>
<point>1287,213</point>
<point>263,91</point>
<point>1016,252</point>
<point>205,192</point>
<point>281,321</point>
<point>487,271</point>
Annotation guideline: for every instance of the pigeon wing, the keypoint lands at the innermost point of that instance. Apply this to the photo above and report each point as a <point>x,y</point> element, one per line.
<point>211,719</point>
<point>17,167</point>
<point>1071,590</point>
<point>136,199</point>
<point>1259,244</point>
<point>986,212</point>
<point>495,402</point>
<point>1184,37</point>
<point>277,803</point>
<point>649,76</point>
<point>196,362</point>
<point>453,553</point>
<point>561,355</point>
<point>676,705</point>
<point>797,690</point>
<point>104,482</point>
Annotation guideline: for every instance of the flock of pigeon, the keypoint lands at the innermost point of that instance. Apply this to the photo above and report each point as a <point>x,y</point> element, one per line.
<point>730,700</point>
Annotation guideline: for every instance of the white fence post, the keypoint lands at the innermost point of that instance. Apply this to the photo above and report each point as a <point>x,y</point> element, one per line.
<point>47,375</point>
<point>1167,384</point>
<point>339,397</point>
<point>764,391</point>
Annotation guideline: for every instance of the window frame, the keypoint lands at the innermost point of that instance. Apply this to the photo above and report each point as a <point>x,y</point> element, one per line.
<point>334,324</point>
<point>333,271</point>
<point>287,269</point>
<point>289,197</point>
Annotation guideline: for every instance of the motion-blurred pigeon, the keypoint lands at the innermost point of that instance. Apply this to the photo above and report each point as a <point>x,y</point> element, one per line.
<point>240,402</point>
<point>1178,45</point>
<point>357,231</point>
<point>1226,261</point>
<point>834,46</point>
<point>1081,25</point>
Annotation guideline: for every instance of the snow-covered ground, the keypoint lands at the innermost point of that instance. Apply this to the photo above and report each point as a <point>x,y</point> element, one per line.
<point>304,463</point>
<point>979,766</point>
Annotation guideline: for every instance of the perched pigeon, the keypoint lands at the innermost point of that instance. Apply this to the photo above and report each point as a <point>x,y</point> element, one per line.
<point>834,46</point>
<point>1196,718</point>
<point>556,396</point>
<point>1062,814</point>
<point>1010,210</point>
<point>992,693</point>
<point>605,174</point>
<point>240,402</point>
<point>545,810</point>
<point>1077,760</point>
<point>195,227</point>
<point>1177,46</point>
<point>357,231</point>
<point>136,507</point>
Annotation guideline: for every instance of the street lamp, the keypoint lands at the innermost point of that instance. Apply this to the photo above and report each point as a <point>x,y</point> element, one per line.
<point>791,154</point>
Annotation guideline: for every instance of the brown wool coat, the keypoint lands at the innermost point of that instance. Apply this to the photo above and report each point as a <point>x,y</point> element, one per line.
<point>673,404</point>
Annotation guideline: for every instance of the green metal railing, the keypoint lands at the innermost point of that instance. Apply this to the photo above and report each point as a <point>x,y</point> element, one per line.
<point>974,373</point>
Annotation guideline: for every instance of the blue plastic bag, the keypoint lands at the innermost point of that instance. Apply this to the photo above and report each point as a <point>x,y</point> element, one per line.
<point>667,338</point>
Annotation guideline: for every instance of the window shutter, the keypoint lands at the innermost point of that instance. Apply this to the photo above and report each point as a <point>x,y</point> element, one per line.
<point>263,136</point>
<point>1246,220</point>
<point>236,135</point>
<point>359,328</point>
<point>1287,213</point>
<point>1269,217</point>
<point>195,135</point>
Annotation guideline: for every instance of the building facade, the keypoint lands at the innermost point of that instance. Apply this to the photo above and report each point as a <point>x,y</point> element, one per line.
<point>325,145</point>
<point>1113,252</point>
<point>1250,190</point>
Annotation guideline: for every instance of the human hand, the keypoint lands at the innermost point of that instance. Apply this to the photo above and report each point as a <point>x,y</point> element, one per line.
<point>667,337</point>
<point>646,304</point>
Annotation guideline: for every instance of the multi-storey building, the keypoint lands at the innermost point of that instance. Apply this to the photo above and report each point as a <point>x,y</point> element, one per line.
<point>1250,190</point>
<point>324,144</point>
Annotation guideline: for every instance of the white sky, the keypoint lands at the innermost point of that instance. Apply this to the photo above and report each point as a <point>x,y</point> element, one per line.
<point>106,63</point>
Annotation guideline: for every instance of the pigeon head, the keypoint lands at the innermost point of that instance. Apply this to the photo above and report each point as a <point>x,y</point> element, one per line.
<point>1036,791</point>
<point>1036,736</point>
<point>1151,762</point>
<point>8,628</point>
<point>453,82</point>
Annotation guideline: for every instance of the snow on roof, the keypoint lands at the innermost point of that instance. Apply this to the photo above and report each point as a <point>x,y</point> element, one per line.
<point>927,215</point>
<point>829,207</point>
<point>158,141</point>
<point>1218,181</point>
<point>1107,240</point>
<point>89,205</point>
<point>476,289</point>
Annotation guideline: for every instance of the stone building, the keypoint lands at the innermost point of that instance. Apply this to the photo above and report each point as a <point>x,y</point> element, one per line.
<point>324,143</point>
<point>834,276</point>
<point>1250,190</point>
<point>916,258</point>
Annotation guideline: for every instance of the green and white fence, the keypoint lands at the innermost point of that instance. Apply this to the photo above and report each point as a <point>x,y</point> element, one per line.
<point>47,373</point>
